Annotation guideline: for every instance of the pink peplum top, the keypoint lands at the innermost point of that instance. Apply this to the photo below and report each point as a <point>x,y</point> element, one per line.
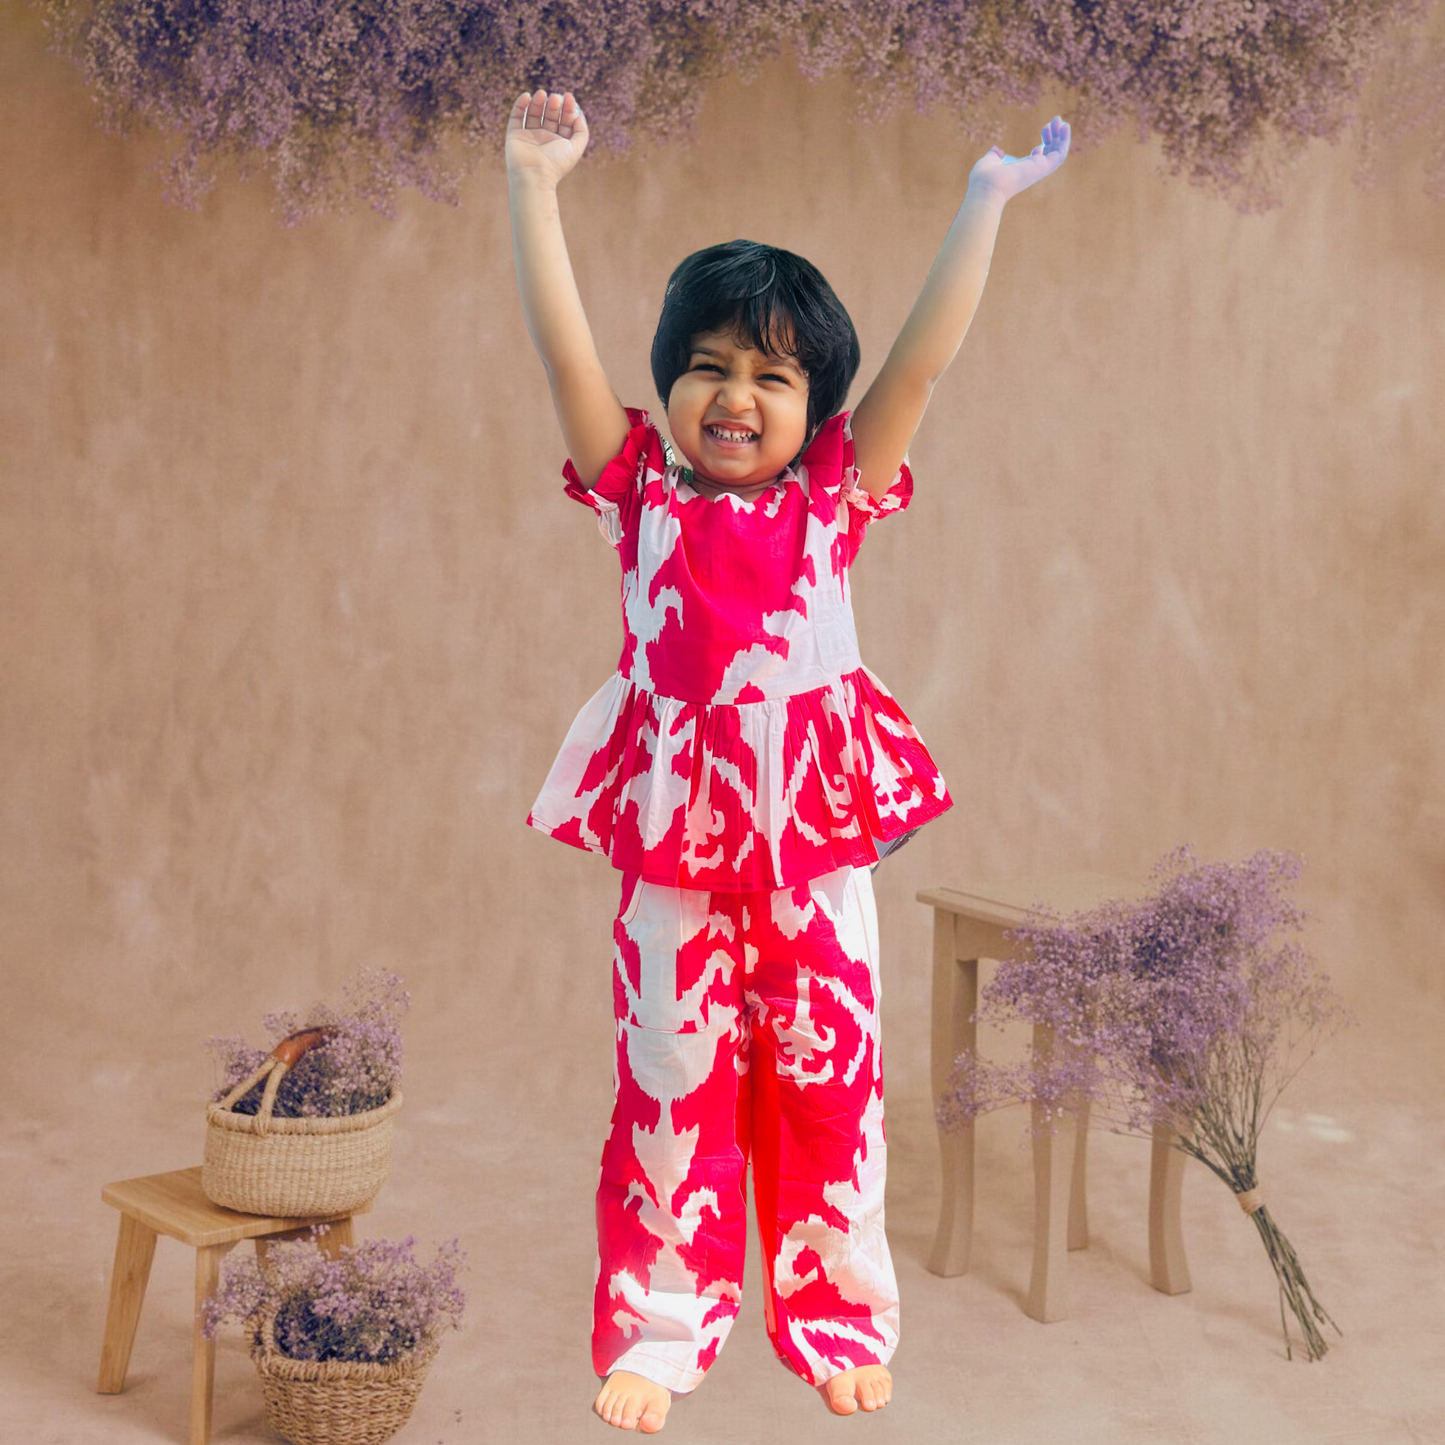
<point>741,745</point>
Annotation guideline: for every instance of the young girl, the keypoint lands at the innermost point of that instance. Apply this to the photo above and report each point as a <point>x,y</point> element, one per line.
<point>744,771</point>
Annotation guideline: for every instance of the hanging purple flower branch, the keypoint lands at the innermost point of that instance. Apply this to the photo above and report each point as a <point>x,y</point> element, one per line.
<point>348,98</point>
<point>1174,1010</point>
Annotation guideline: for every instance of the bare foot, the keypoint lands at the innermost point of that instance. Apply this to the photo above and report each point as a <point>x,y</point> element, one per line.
<point>870,1386</point>
<point>633,1403</point>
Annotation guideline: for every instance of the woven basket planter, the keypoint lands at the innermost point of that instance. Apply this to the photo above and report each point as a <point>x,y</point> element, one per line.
<point>335,1402</point>
<point>293,1168</point>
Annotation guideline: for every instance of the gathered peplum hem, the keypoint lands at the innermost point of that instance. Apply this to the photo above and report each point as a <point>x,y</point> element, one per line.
<point>740,797</point>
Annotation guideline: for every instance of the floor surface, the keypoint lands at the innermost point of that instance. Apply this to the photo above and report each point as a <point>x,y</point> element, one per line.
<point>501,1148</point>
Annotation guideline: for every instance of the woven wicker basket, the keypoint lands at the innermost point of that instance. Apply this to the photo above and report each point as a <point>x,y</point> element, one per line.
<point>293,1168</point>
<point>335,1402</point>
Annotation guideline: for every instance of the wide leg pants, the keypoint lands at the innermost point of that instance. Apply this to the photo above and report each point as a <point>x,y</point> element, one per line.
<point>746,1028</point>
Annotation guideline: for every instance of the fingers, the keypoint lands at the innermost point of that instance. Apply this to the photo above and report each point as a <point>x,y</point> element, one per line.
<point>544,110</point>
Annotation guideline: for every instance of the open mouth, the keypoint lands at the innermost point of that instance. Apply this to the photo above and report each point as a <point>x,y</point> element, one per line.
<point>730,438</point>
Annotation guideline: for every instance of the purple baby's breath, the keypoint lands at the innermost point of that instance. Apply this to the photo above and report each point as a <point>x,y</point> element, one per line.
<point>356,1069</point>
<point>340,99</point>
<point>373,1302</point>
<point>1175,1010</point>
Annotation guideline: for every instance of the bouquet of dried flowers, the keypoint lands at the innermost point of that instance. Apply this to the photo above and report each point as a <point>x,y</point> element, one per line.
<point>355,1069</point>
<point>1173,1010</point>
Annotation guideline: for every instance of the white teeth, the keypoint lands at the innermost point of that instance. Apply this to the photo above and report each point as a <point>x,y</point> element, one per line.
<point>729,435</point>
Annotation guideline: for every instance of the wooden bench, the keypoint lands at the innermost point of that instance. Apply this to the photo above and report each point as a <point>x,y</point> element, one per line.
<point>173,1204</point>
<point>969,922</point>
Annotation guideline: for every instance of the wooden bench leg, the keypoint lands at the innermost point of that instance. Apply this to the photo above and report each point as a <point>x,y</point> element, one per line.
<point>1054,1158</point>
<point>203,1361</point>
<point>1078,1189</point>
<point>135,1248</point>
<point>1168,1268</point>
<point>955,996</point>
<point>337,1238</point>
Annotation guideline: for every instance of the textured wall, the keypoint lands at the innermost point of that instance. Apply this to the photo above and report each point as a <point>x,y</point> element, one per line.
<point>296,614</point>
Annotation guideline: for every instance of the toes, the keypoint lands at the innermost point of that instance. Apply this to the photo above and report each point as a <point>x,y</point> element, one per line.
<point>616,1410</point>
<point>853,1391</point>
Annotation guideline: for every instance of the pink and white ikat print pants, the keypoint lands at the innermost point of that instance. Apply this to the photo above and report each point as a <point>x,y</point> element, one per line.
<point>746,1027</point>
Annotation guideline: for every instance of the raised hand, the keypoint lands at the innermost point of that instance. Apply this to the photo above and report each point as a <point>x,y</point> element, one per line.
<point>1005,176</point>
<point>546,135</point>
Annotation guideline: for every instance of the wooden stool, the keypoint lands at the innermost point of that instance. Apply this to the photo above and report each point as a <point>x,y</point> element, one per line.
<point>969,924</point>
<point>174,1204</point>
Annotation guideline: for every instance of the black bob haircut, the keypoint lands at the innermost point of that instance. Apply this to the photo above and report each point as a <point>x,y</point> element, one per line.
<point>750,291</point>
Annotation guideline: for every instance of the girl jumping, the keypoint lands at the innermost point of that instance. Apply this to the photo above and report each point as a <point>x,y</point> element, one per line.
<point>744,771</point>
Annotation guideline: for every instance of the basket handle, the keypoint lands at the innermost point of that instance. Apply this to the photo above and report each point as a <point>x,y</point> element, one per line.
<point>283,1057</point>
<point>290,1049</point>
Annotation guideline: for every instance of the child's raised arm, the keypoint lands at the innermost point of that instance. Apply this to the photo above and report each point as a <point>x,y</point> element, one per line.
<point>884,421</point>
<point>546,135</point>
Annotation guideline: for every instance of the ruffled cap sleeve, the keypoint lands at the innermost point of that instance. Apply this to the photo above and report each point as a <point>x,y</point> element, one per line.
<point>616,495</point>
<point>829,459</point>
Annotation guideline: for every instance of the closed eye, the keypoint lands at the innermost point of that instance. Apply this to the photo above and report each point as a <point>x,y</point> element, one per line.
<point>766,376</point>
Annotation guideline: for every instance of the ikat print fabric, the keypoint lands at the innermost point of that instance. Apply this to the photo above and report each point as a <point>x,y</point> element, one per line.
<point>741,744</point>
<point>747,1041</point>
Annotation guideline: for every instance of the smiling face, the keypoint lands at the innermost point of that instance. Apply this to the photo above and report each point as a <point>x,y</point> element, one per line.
<point>730,387</point>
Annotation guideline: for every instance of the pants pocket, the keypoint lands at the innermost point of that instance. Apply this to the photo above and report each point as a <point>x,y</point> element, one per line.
<point>661,921</point>
<point>630,902</point>
<point>867,909</point>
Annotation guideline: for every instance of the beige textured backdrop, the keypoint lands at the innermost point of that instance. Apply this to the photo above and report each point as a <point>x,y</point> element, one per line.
<point>296,616</point>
